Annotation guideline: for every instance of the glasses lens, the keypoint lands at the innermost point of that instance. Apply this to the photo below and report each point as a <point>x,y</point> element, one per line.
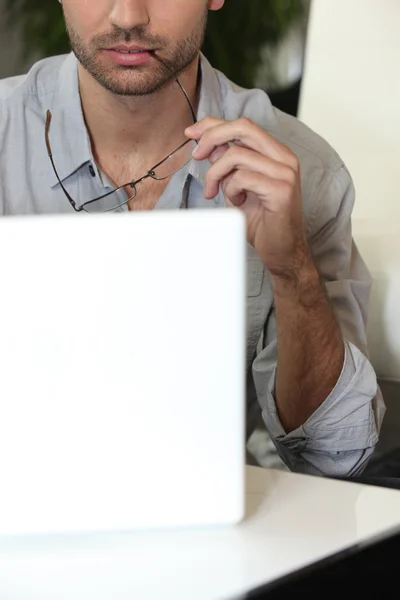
<point>111,202</point>
<point>175,162</point>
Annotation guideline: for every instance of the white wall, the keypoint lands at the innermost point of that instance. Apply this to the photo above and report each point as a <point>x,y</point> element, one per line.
<point>351,96</point>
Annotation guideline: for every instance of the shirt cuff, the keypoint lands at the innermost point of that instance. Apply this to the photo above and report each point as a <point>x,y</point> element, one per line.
<point>344,422</point>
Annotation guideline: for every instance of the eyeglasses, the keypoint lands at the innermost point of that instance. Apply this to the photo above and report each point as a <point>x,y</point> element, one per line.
<point>171,164</point>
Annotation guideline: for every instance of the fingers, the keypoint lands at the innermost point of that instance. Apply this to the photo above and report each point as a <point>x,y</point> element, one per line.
<point>212,132</point>
<point>238,158</point>
<point>243,182</point>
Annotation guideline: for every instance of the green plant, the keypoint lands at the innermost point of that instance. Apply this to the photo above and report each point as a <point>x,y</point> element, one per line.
<point>42,25</point>
<point>238,33</point>
<point>235,39</point>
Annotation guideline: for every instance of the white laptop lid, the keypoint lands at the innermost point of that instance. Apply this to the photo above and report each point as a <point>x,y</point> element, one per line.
<point>122,353</point>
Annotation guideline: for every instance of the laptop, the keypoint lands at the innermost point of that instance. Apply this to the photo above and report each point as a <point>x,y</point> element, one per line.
<point>122,384</point>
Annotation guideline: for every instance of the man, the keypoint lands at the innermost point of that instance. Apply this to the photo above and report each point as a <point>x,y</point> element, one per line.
<point>115,112</point>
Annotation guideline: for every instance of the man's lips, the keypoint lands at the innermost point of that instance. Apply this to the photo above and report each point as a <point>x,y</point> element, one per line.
<point>130,49</point>
<point>129,56</point>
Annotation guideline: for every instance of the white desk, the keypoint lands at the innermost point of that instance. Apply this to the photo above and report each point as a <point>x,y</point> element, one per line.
<point>292,520</point>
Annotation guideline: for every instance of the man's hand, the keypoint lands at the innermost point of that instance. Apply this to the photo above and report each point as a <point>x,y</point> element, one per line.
<point>260,175</point>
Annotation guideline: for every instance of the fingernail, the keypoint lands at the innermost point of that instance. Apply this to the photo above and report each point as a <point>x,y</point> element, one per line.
<point>196,151</point>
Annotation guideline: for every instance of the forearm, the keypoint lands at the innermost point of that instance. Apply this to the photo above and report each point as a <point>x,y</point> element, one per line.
<point>310,346</point>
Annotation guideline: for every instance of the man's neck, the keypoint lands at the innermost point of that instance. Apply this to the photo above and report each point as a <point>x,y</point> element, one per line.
<point>126,127</point>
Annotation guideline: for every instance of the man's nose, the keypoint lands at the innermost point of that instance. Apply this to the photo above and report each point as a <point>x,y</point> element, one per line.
<point>129,14</point>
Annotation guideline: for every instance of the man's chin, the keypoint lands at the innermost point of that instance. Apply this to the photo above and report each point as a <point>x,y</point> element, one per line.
<point>128,83</point>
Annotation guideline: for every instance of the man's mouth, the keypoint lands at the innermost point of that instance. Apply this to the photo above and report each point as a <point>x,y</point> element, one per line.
<point>131,50</point>
<point>128,55</point>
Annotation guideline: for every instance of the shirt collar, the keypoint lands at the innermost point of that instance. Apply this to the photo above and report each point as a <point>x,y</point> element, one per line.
<point>69,137</point>
<point>70,142</point>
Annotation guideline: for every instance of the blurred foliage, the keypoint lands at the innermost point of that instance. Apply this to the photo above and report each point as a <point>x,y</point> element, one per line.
<point>42,25</point>
<point>236,35</point>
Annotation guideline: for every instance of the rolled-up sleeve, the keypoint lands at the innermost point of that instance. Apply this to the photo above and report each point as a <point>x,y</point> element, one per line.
<point>339,438</point>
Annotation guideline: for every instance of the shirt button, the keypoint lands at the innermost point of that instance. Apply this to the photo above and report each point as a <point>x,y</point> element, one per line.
<point>92,171</point>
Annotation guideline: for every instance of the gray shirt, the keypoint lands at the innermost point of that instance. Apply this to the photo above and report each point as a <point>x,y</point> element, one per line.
<point>340,436</point>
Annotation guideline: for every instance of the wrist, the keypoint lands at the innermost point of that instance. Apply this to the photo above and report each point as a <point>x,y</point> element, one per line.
<point>298,281</point>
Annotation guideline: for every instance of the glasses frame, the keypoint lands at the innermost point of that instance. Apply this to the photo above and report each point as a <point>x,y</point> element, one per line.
<point>150,173</point>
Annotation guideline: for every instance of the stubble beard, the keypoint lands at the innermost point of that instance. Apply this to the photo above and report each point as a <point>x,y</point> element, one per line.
<point>141,80</point>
